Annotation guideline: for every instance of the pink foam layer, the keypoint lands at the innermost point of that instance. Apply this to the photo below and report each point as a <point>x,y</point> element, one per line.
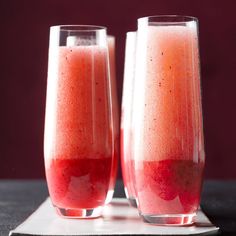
<point>77,115</point>
<point>171,126</point>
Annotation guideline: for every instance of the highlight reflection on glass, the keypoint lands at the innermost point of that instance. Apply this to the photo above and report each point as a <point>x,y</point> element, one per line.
<point>126,121</point>
<point>115,114</point>
<point>78,144</point>
<point>169,149</point>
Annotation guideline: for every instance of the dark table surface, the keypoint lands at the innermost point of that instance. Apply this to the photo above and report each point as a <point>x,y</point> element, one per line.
<point>19,198</point>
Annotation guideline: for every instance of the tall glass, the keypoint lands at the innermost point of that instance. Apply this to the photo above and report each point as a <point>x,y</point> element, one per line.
<point>115,113</point>
<point>169,147</point>
<point>126,119</point>
<point>78,142</point>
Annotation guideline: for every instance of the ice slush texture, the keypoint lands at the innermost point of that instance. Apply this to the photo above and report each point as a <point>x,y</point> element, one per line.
<point>79,183</point>
<point>168,95</point>
<point>169,186</point>
<point>77,113</point>
<point>78,130</point>
<point>169,150</point>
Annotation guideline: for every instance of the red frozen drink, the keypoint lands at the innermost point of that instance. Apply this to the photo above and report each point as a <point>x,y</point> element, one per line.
<point>169,150</point>
<point>78,133</point>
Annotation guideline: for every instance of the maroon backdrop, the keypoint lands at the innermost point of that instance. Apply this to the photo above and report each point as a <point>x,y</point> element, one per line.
<point>24,47</point>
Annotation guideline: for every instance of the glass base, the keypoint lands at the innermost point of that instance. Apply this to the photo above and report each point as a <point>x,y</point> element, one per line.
<point>109,196</point>
<point>131,199</point>
<point>132,202</point>
<point>170,219</point>
<point>79,213</point>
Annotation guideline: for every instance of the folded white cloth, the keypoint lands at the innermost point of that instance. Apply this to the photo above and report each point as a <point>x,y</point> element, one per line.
<point>118,219</point>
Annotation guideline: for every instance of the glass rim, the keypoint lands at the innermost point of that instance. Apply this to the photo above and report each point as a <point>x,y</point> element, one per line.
<point>78,28</point>
<point>111,36</point>
<point>131,32</point>
<point>168,19</point>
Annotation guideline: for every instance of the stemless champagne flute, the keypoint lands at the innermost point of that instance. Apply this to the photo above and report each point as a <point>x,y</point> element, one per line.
<point>126,121</point>
<point>115,114</point>
<point>78,142</point>
<point>169,149</point>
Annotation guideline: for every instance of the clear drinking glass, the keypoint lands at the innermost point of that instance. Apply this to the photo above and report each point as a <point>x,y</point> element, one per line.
<point>115,113</point>
<point>79,141</point>
<point>168,130</point>
<point>126,119</point>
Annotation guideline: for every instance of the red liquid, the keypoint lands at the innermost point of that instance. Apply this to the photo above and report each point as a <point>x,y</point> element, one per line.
<point>127,164</point>
<point>169,186</point>
<point>79,183</point>
<point>113,171</point>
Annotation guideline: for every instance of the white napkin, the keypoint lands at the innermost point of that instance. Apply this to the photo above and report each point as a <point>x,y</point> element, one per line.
<point>118,219</point>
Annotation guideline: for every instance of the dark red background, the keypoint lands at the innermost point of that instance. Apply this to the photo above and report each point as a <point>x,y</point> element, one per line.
<point>24,45</point>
